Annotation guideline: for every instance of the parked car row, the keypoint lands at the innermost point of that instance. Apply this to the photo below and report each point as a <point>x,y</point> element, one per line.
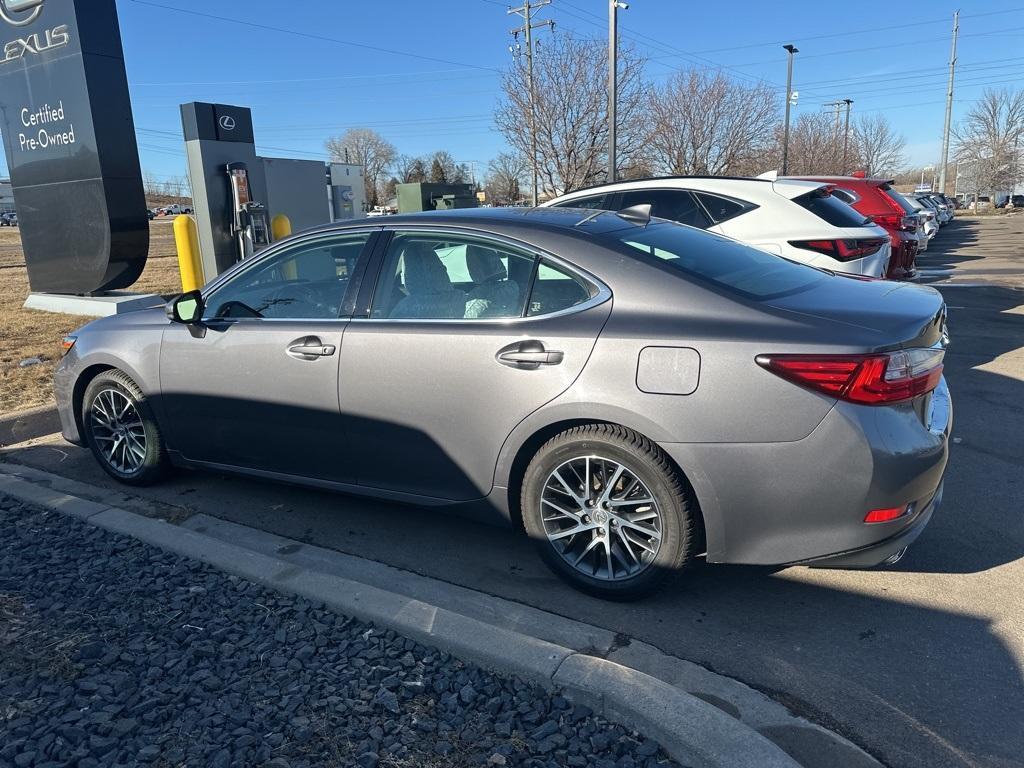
<point>633,393</point>
<point>168,210</point>
<point>844,223</point>
<point>9,219</point>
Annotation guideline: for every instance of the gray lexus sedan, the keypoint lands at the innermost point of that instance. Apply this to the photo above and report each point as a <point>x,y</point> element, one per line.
<point>631,392</point>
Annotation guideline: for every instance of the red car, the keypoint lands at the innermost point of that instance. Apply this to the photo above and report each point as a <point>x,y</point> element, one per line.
<point>869,197</point>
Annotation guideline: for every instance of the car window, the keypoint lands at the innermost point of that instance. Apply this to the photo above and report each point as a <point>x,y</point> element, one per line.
<point>720,261</point>
<point>722,208</point>
<point>555,290</point>
<point>675,204</point>
<point>594,202</point>
<point>439,276</point>
<point>306,282</point>
<point>900,200</point>
<point>846,195</point>
<point>836,212</point>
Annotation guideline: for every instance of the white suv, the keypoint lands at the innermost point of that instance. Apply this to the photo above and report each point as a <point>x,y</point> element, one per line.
<point>799,220</point>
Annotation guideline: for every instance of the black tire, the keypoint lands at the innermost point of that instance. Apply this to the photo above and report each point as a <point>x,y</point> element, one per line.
<point>154,462</point>
<point>648,463</point>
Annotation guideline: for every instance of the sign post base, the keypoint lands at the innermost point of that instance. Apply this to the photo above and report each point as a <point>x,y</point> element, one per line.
<point>102,305</point>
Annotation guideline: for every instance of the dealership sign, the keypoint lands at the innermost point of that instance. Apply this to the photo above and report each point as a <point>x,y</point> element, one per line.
<point>70,142</point>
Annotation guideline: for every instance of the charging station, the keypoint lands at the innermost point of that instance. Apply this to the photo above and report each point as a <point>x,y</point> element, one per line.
<point>236,193</point>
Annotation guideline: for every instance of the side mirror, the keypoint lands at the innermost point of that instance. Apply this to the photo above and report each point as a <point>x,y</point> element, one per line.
<point>187,308</point>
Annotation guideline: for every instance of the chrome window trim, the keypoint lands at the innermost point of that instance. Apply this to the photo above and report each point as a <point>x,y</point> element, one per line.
<point>602,295</point>
<point>299,240</point>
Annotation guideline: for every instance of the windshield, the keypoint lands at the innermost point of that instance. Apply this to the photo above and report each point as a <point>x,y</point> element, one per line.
<point>718,260</point>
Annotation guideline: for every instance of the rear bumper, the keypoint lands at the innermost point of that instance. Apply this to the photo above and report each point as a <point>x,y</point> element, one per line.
<point>803,501</point>
<point>877,554</point>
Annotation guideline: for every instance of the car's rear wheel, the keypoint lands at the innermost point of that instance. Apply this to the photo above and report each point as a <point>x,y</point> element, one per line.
<point>607,511</point>
<point>121,430</point>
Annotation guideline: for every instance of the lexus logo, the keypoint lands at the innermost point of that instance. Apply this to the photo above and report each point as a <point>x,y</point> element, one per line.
<point>227,122</point>
<point>11,11</point>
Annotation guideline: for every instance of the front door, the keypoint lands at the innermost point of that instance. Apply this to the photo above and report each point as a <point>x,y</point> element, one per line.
<point>256,386</point>
<point>465,338</point>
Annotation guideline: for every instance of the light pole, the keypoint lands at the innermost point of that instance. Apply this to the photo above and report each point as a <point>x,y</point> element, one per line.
<point>789,98</point>
<point>846,135</point>
<point>613,76</point>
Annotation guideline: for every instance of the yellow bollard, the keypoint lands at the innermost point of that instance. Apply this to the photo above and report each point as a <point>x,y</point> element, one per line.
<point>186,239</point>
<point>280,227</point>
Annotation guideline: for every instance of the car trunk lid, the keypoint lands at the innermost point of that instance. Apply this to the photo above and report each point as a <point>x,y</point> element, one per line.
<point>902,315</point>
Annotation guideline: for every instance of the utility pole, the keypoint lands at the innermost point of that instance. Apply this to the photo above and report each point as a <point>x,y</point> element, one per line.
<point>613,84</point>
<point>846,136</point>
<point>949,106</point>
<point>526,12</point>
<point>789,100</point>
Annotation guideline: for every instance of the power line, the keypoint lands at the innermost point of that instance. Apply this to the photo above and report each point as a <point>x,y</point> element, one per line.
<point>312,36</point>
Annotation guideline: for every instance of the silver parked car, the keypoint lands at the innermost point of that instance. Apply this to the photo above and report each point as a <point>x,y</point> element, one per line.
<point>634,393</point>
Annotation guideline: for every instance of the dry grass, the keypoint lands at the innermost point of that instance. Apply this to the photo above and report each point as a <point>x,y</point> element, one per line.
<point>25,333</point>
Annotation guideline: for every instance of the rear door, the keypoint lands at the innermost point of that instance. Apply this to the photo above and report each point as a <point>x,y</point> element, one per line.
<point>444,362</point>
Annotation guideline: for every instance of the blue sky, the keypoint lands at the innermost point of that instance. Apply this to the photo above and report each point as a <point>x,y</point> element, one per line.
<point>304,87</point>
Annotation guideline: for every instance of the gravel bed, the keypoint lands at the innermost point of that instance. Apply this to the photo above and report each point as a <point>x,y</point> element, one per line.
<point>113,652</point>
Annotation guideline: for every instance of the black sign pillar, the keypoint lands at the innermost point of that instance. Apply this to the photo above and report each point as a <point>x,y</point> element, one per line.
<point>70,142</point>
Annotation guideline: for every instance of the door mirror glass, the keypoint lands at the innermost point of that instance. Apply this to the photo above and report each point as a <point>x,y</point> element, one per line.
<point>187,308</point>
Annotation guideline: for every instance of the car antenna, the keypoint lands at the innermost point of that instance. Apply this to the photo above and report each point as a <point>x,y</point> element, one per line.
<point>637,214</point>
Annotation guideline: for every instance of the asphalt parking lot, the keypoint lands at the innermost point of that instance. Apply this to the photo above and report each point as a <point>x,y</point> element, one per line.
<point>920,663</point>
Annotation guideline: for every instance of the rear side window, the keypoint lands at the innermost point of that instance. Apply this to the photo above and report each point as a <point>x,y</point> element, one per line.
<point>721,261</point>
<point>555,290</point>
<point>675,204</point>
<point>722,208</point>
<point>595,202</point>
<point>828,207</point>
<point>899,200</point>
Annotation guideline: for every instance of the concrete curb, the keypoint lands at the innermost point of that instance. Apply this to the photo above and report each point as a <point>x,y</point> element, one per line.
<point>637,686</point>
<point>25,425</point>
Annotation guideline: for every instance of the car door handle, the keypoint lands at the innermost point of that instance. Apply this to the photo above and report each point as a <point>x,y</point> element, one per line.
<point>310,348</point>
<point>528,355</point>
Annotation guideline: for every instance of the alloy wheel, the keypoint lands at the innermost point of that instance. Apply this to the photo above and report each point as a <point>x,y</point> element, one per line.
<point>118,431</point>
<point>601,518</point>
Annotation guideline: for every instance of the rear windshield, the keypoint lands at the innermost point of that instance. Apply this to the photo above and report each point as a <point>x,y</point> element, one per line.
<point>831,209</point>
<point>900,201</point>
<point>718,260</point>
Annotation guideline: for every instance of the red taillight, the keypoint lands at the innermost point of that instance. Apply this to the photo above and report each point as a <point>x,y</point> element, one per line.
<point>897,221</point>
<point>880,379</point>
<point>885,515</point>
<point>842,250</point>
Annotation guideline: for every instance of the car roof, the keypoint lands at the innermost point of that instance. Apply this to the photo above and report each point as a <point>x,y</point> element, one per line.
<point>564,219</point>
<point>653,181</point>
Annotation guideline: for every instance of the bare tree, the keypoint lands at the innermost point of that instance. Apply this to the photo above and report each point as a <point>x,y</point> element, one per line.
<point>409,169</point>
<point>368,148</point>
<point>151,184</point>
<point>814,145</point>
<point>571,111</point>
<point>877,148</point>
<point>988,141</point>
<point>443,168</point>
<point>506,176</point>
<point>709,124</point>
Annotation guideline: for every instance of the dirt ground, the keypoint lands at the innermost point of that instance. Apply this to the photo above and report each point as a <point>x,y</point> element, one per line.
<point>26,334</point>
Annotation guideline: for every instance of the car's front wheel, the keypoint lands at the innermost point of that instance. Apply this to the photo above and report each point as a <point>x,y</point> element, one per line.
<point>608,511</point>
<point>121,430</point>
